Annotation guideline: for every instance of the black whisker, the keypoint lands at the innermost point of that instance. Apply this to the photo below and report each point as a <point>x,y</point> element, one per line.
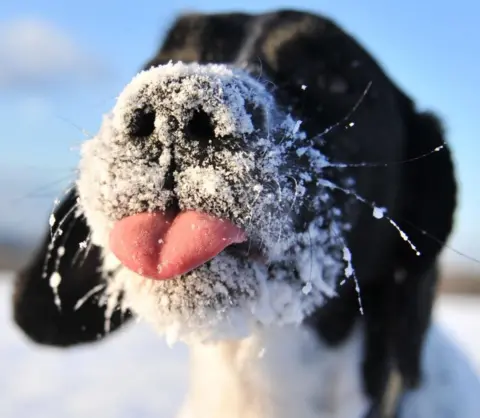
<point>45,187</point>
<point>377,212</point>
<point>439,241</point>
<point>83,131</point>
<point>386,164</point>
<point>403,235</point>
<point>349,114</point>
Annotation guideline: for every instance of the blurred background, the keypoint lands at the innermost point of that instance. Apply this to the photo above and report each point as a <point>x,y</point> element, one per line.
<point>61,67</point>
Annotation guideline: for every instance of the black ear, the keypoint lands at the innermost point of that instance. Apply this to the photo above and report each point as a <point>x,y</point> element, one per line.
<point>428,215</point>
<point>34,307</point>
<point>398,307</point>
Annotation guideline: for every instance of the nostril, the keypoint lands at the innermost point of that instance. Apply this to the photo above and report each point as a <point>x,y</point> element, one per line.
<point>200,127</point>
<point>142,122</point>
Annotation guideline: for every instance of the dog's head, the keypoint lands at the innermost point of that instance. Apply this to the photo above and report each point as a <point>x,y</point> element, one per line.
<point>207,197</point>
<point>205,204</point>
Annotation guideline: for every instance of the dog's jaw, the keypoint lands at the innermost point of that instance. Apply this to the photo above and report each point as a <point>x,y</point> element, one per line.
<point>262,297</point>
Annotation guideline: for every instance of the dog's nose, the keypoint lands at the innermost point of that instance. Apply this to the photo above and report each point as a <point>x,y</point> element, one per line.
<point>200,127</point>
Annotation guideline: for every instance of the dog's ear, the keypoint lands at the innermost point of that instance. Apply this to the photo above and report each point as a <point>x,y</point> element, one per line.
<point>34,308</point>
<point>429,201</point>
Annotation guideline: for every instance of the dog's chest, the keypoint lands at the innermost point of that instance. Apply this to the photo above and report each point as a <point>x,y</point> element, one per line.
<point>276,373</point>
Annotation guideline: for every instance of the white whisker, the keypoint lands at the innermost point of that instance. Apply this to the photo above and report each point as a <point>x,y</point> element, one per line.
<point>349,269</point>
<point>84,246</point>
<point>93,291</point>
<point>378,213</point>
<point>58,232</point>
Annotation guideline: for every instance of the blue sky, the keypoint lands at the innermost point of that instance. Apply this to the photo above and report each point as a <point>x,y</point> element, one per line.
<point>430,48</point>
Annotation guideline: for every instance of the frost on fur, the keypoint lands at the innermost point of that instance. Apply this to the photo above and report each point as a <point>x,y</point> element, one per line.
<point>247,171</point>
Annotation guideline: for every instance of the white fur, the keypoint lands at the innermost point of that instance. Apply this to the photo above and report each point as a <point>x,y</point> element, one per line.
<point>279,372</point>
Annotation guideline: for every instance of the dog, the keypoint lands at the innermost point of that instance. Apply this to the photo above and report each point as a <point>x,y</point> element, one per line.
<point>264,192</point>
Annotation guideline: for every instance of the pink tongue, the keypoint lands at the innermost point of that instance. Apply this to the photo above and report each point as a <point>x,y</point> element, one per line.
<point>161,245</point>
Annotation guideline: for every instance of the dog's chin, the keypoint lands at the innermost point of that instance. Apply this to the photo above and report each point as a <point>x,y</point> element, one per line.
<point>225,298</point>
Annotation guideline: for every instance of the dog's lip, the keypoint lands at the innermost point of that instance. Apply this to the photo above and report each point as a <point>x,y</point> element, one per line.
<point>248,249</point>
<point>165,245</point>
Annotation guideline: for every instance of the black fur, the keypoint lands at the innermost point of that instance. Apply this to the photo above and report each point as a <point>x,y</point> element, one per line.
<point>291,49</point>
<point>33,302</point>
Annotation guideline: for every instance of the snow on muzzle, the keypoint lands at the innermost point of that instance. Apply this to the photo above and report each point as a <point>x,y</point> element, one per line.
<point>163,245</point>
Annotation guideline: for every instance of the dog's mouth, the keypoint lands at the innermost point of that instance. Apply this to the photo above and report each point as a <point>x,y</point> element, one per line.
<point>249,249</point>
<point>165,245</point>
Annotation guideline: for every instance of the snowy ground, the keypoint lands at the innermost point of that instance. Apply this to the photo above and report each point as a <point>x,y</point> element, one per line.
<point>133,374</point>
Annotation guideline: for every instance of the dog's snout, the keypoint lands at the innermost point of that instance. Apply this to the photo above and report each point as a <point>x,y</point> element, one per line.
<point>200,127</point>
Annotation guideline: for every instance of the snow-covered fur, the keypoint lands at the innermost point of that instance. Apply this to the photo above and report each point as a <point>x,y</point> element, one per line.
<point>247,172</point>
<point>285,126</point>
